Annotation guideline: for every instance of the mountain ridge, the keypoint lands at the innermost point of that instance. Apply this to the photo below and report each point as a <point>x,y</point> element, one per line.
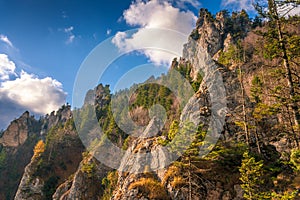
<point>67,170</point>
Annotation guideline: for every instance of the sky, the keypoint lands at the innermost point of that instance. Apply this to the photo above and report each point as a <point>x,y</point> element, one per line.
<point>43,44</point>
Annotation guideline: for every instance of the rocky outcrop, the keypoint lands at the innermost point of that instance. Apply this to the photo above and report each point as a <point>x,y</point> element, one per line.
<point>19,130</point>
<point>16,144</point>
<point>60,116</point>
<point>216,33</point>
<point>57,162</point>
<point>146,168</point>
<point>30,187</point>
<point>217,98</point>
<point>99,96</point>
<point>85,184</point>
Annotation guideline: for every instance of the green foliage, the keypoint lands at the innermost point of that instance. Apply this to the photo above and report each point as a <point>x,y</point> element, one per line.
<point>184,137</point>
<point>284,196</point>
<point>3,157</point>
<point>295,159</point>
<point>257,22</point>
<point>228,58</point>
<point>173,130</point>
<point>150,94</point>
<point>69,125</point>
<point>262,110</point>
<point>251,177</point>
<point>43,167</point>
<point>53,135</point>
<point>88,167</point>
<point>229,156</point>
<point>109,183</point>
<point>185,71</point>
<point>126,143</point>
<point>256,89</point>
<point>50,187</point>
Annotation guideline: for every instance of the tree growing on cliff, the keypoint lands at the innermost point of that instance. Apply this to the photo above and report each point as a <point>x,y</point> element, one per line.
<point>39,149</point>
<point>251,173</point>
<point>283,46</point>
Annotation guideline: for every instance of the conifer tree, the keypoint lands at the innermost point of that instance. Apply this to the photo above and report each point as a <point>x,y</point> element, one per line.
<point>281,45</point>
<point>251,177</point>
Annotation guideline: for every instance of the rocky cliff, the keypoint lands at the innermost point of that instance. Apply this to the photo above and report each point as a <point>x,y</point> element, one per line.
<point>60,158</point>
<point>16,144</point>
<point>18,131</point>
<point>195,154</point>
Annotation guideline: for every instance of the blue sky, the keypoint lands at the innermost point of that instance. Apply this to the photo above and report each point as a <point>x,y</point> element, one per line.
<point>43,44</point>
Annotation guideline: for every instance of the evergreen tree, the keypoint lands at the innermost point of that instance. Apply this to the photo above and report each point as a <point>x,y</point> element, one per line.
<point>279,45</point>
<point>251,177</point>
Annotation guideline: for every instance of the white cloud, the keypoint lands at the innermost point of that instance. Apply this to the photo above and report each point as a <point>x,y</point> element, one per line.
<point>28,92</point>
<point>69,30</point>
<point>155,14</point>
<point>71,35</point>
<point>70,39</point>
<point>38,95</point>
<point>7,67</point>
<point>238,4</point>
<point>5,39</point>
<point>184,3</point>
<point>108,31</point>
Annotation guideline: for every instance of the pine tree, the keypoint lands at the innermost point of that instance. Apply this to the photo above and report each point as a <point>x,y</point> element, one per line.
<point>251,177</point>
<point>280,45</point>
<point>190,140</point>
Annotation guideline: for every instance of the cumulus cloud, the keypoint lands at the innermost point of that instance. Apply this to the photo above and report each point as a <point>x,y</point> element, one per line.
<point>5,39</point>
<point>7,67</point>
<point>238,4</point>
<point>28,92</point>
<point>155,14</point>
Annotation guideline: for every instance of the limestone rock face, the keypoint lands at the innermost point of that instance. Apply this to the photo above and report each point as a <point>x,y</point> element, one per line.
<point>30,188</point>
<point>214,34</point>
<point>100,96</point>
<point>216,105</point>
<point>59,159</point>
<point>18,131</point>
<point>85,185</point>
<point>60,116</point>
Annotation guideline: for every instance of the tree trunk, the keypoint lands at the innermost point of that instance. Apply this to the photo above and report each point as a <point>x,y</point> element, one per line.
<point>286,63</point>
<point>190,179</point>
<point>257,139</point>
<point>245,120</point>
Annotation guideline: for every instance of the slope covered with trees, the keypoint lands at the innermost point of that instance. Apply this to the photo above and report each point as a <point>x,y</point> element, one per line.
<point>256,157</point>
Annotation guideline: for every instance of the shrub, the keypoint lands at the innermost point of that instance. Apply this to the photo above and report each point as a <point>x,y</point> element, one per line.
<point>50,186</point>
<point>295,159</point>
<point>110,183</point>
<point>39,149</point>
<point>150,187</point>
